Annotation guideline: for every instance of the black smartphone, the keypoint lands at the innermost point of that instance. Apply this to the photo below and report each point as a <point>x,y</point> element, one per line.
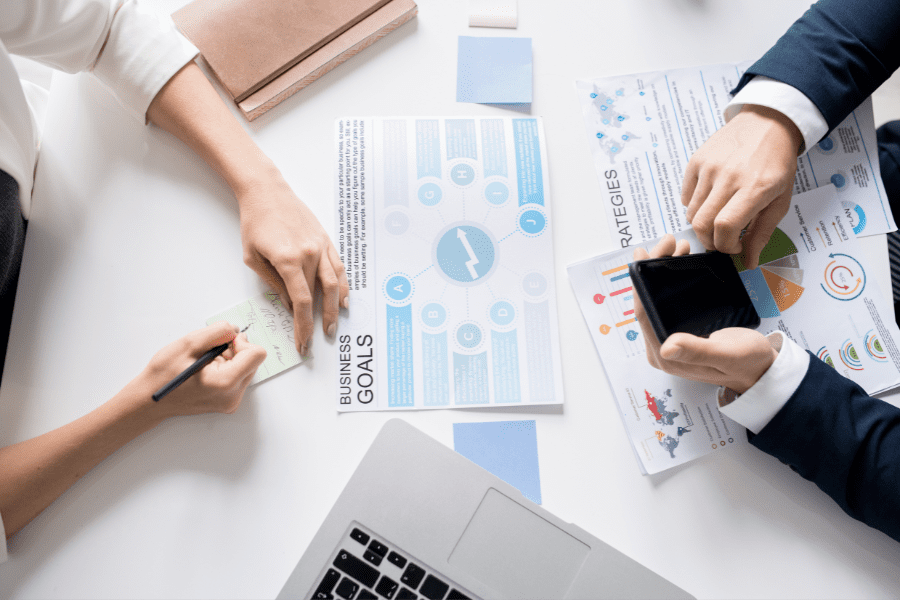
<point>695,293</point>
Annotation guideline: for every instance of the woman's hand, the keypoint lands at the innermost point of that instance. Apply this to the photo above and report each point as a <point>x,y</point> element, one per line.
<point>282,239</point>
<point>218,387</point>
<point>288,247</point>
<point>735,357</point>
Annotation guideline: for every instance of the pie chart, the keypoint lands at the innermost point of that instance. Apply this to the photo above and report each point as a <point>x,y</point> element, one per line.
<point>777,283</point>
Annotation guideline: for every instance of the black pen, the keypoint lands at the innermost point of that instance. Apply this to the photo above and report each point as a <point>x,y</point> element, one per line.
<point>191,370</point>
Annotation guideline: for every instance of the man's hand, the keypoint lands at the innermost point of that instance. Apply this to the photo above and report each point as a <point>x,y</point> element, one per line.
<point>288,247</point>
<point>742,177</point>
<point>735,357</point>
<point>218,387</point>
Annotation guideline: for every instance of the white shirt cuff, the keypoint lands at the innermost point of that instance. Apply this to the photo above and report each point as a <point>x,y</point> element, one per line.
<point>787,100</point>
<point>757,406</point>
<point>143,51</point>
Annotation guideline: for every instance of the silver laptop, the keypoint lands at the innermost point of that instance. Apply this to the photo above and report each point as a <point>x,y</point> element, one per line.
<point>419,521</point>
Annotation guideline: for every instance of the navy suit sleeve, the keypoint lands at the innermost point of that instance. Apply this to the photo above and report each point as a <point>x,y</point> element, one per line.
<point>837,54</point>
<point>846,442</point>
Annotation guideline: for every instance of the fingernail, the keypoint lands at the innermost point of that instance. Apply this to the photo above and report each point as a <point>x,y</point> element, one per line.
<point>346,302</point>
<point>304,351</point>
<point>332,329</point>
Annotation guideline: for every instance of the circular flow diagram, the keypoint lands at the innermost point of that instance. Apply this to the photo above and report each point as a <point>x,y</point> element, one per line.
<point>845,278</point>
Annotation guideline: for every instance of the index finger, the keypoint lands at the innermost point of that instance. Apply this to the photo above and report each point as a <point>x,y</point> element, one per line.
<point>201,340</point>
<point>247,359</point>
<point>302,301</point>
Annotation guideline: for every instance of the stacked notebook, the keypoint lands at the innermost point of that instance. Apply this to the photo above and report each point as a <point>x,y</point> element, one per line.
<point>265,51</point>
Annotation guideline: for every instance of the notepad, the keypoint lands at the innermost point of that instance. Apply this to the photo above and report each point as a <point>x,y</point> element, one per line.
<point>508,449</point>
<point>494,70</point>
<point>271,326</point>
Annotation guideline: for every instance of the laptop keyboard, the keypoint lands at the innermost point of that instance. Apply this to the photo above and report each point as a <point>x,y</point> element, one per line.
<point>365,567</point>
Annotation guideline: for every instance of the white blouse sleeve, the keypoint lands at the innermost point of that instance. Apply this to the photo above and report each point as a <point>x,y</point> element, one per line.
<point>130,48</point>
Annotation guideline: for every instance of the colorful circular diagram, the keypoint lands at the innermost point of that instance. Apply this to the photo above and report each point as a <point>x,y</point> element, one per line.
<point>850,357</point>
<point>874,348</point>
<point>825,356</point>
<point>845,278</point>
<point>777,284</point>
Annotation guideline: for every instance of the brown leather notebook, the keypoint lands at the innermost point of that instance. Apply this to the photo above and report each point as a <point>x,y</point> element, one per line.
<point>263,51</point>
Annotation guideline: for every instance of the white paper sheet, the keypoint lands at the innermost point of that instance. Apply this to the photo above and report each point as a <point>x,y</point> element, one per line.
<point>444,227</point>
<point>643,129</point>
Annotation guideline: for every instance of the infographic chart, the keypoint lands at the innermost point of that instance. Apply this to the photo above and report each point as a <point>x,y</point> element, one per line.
<point>444,227</point>
<point>811,285</point>
<point>776,285</point>
<point>642,130</point>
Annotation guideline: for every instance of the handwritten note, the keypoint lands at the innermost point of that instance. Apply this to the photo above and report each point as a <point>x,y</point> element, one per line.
<point>271,326</point>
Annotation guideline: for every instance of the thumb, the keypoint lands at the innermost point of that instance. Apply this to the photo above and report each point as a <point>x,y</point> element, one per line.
<point>247,358</point>
<point>690,349</point>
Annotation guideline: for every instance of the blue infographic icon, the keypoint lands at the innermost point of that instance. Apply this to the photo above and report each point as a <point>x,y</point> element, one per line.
<point>496,193</point>
<point>398,288</point>
<point>434,314</point>
<point>532,221</point>
<point>430,194</point>
<point>856,214</point>
<point>502,313</point>
<point>631,335</point>
<point>838,180</point>
<point>826,146</point>
<point>462,175</point>
<point>465,254</point>
<point>468,335</point>
<point>396,223</point>
<point>534,284</point>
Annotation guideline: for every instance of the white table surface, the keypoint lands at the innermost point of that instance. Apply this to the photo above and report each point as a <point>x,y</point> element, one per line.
<point>134,241</point>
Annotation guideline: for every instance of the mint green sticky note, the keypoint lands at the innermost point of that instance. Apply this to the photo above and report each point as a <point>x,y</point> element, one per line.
<point>271,326</point>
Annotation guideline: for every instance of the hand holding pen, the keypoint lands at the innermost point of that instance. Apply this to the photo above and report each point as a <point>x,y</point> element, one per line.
<point>205,371</point>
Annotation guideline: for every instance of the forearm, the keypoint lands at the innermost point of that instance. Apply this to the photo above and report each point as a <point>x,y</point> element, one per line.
<point>190,109</point>
<point>836,54</point>
<point>846,442</point>
<point>36,472</point>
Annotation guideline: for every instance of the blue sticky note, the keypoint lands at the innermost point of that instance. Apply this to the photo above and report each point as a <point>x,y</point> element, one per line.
<point>494,70</point>
<point>508,449</point>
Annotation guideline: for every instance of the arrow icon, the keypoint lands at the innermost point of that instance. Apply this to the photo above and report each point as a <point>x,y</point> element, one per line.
<point>473,260</point>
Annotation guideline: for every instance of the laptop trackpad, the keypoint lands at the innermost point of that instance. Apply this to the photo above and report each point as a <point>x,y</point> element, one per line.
<point>516,552</point>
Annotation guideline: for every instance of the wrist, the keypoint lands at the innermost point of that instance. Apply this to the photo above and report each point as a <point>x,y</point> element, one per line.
<point>790,130</point>
<point>249,175</point>
<point>135,403</point>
